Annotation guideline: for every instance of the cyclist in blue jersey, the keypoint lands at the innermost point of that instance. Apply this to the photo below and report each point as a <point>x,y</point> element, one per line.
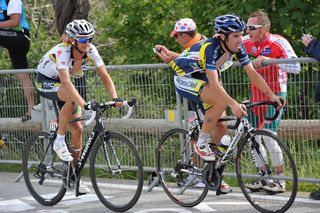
<point>211,57</point>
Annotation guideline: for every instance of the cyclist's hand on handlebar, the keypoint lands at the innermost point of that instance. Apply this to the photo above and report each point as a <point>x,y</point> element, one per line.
<point>119,102</point>
<point>281,102</point>
<point>239,110</point>
<point>91,105</point>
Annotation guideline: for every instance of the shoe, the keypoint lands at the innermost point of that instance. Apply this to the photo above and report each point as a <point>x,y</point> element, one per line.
<point>25,118</point>
<point>37,107</point>
<point>225,188</point>
<point>62,151</point>
<point>315,195</point>
<point>83,189</point>
<point>275,187</point>
<point>204,152</point>
<point>198,183</point>
<point>255,186</point>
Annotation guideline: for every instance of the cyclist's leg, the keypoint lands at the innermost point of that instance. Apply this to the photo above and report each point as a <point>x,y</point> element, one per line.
<point>52,89</point>
<point>193,89</point>
<point>76,129</point>
<point>76,135</point>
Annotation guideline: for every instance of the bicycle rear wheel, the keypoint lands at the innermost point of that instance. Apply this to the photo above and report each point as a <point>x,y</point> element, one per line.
<point>274,189</point>
<point>176,172</point>
<point>43,180</point>
<point>118,187</point>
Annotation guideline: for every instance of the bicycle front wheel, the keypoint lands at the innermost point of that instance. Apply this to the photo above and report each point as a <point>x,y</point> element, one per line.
<point>178,172</point>
<point>43,170</point>
<point>266,172</point>
<point>116,171</point>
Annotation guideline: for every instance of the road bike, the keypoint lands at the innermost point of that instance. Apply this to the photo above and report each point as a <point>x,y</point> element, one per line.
<point>116,170</point>
<point>177,171</point>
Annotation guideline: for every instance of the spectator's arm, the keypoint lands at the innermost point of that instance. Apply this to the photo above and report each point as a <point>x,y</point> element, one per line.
<point>313,49</point>
<point>291,68</point>
<point>14,21</point>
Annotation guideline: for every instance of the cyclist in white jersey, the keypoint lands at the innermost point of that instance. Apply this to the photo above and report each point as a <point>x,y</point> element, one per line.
<point>55,70</point>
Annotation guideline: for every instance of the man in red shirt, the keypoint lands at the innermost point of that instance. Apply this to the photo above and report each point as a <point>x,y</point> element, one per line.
<point>262,45</point>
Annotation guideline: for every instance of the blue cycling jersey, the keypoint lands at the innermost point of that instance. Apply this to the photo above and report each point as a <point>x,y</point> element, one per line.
<point>204,56</point>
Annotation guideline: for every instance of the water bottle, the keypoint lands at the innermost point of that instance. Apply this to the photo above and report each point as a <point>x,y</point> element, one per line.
<point>223,145</point>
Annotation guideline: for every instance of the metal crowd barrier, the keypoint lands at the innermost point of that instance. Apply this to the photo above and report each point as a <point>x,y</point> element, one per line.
<point>158,110</point>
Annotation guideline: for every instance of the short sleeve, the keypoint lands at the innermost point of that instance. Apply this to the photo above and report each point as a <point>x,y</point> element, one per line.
<point>95,56</point>
<point>242,56</point>
<point>14,6</point>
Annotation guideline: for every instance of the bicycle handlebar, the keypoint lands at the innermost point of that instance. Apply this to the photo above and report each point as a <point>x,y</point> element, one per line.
<point>110,104</point>
<point>254,104</point>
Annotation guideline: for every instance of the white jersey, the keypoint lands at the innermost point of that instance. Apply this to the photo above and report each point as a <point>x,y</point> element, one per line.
<point>60,57</point>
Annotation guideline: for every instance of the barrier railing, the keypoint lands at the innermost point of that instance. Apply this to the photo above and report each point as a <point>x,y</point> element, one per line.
<point>157,110</point>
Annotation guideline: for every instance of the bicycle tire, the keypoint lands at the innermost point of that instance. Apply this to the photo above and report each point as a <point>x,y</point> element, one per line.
<point>51,190</point>
<point>118,191</point>
<point>263,199</point>
<point>177,184</point>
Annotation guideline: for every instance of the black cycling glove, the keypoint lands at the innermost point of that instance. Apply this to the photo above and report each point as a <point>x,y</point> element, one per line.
<point>91,105</point>
<point>117,99</point>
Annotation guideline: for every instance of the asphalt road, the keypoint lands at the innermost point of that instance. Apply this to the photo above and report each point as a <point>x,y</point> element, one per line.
<point>14,197</point>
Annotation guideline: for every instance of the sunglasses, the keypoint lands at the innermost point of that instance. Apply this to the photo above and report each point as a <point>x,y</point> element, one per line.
<point>255,26</point>
<point>84,40</point>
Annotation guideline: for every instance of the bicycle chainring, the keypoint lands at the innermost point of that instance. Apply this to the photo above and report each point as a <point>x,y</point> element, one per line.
<point>212,177</point>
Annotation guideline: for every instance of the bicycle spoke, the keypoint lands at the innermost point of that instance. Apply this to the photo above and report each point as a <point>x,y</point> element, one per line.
<point>179,178</point>
<point>43,170</point>
<point>269,179</point>
<point>118,188</point>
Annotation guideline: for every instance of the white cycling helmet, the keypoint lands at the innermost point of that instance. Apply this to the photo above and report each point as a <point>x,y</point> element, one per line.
<point>79,28</point>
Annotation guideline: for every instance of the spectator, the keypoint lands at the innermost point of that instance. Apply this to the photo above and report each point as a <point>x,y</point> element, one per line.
<point>185,33</point>
<point>15,37</point>
<point>262,45</point>
<point>65,12</point>
<point>312,48</point>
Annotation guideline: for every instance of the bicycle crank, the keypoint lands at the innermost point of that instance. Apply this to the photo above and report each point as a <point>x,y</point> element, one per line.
<point>69,176</point>
<point>212,177</point>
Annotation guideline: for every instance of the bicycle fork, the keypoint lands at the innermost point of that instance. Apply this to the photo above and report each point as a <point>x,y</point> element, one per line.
<point>105,141</point>
<point>257,157</point>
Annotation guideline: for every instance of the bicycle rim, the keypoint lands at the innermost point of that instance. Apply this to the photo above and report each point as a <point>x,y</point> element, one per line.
<point>173,168</point>
<point>43,180</point>
<point>267,199</point>
<point>118,189</point>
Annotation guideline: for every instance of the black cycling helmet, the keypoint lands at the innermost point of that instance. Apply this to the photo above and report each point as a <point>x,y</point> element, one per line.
<point>228,24</point>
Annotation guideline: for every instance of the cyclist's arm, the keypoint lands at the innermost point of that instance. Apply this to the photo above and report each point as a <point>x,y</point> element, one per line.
<point>67,84</point>
<point>260,83</point>
<point>107,81</point>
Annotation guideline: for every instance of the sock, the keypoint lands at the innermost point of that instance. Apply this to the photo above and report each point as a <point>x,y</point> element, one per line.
<point>203,139</point>
<point>60,138</point>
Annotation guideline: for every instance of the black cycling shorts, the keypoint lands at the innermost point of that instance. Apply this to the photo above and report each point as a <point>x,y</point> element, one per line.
<point>17,44</point>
